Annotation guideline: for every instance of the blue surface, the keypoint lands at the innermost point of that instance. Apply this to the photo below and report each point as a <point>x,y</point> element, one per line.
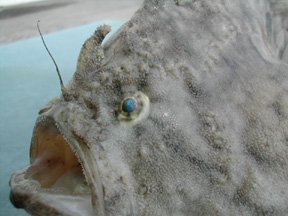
<point>28,80</point>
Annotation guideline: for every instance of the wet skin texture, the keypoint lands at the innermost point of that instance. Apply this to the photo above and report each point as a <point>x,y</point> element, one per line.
<point>207,135</point>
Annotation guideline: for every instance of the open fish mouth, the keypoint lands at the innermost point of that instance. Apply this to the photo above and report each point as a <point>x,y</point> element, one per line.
<point>58,180</point>
<point>52,160</point>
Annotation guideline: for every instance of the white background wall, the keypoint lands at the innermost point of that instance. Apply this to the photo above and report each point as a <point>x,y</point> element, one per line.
<point>14,2</point>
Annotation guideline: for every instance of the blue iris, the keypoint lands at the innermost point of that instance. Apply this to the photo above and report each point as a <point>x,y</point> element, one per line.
<point>129,105</point>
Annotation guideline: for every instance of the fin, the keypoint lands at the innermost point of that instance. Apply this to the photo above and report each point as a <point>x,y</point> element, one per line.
<point>276,26</point>
<point>91,54</point>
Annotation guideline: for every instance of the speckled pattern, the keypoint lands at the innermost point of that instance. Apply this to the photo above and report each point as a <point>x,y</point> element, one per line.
<point>210,139</point>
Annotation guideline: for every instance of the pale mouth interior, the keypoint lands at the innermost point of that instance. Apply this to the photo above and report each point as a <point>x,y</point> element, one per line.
<point>53,163</point>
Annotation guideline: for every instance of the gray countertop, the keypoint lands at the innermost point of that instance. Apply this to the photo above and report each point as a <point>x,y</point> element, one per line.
<point>19,22</point>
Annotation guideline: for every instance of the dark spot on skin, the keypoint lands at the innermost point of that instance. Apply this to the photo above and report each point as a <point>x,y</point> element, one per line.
<point>139,130</point>
<point>112,200</point>
<point>104,191</point>
<point>286,139</point>
<point>193,88</point>
<point>190,82</point>
<point>93,107</point>
<point>116,86</point>
<point>278,109</point>
<point>142,189</point>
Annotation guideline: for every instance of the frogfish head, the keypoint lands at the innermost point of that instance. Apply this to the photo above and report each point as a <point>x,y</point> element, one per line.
<point>96,149</point>
<point>92,148</point>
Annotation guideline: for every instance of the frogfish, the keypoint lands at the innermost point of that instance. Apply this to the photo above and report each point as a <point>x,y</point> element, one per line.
<point>183,111</point>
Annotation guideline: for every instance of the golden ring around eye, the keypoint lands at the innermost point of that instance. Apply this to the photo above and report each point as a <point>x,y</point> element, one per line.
<point>133,109</point>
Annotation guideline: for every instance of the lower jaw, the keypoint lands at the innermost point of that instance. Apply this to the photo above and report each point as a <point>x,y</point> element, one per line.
<point>70,183</point>
<point>55,200</point>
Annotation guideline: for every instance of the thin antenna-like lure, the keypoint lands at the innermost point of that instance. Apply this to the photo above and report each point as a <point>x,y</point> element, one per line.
<point>57,69</point>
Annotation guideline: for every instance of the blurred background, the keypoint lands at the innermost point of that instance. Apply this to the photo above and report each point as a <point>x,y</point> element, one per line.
<point>17,21</point>
<point>28,78</point>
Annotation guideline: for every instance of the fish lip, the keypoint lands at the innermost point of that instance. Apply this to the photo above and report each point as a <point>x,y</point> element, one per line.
<point>38,202</point>
<point>16,202</point>
<point>30,192</point>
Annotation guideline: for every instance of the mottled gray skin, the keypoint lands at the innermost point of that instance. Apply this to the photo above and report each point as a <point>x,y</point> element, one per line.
<point>215,141</point>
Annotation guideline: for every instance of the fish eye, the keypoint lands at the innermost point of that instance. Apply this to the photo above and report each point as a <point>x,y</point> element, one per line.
<point>129,105</point>
<point>133,108</point>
